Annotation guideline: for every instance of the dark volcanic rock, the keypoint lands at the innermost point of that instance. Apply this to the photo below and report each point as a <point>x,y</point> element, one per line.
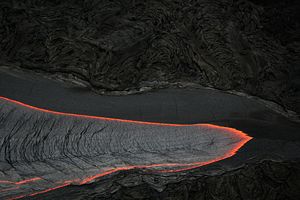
<point>110,45</point>
<point>266,180</point>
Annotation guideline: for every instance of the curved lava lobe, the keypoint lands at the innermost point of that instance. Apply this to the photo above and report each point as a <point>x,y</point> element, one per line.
<point>60,149</point>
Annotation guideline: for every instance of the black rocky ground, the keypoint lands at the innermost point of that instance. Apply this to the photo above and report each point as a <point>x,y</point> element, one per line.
<point>250,46</point>
<point>266,180</point>
<point>113,45</point>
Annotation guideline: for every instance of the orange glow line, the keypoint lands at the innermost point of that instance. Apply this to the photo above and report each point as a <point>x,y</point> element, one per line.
<point>28,181</point>
<point>103,118</point>
<point>20,182</point>
<point>244,138</point>
<point>50,189</point>
<point>187,166</point>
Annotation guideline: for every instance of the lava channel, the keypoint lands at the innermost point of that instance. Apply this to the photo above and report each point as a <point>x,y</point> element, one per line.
<point>61,149</point>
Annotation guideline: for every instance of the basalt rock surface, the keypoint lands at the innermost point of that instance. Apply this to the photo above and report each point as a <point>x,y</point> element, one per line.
<point>120,46</point>
<point>112,45</point>
<point>265,180</point>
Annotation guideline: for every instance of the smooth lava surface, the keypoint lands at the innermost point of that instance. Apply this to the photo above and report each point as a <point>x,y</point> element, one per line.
<point>43,150</point>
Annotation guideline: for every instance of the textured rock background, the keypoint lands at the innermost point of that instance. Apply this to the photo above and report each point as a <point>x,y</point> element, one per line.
<point>266,180</point>
<point>112,45</point>
<point>250,46</point>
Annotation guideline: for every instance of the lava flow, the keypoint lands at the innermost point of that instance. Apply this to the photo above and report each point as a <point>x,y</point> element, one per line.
<point>236,139</point>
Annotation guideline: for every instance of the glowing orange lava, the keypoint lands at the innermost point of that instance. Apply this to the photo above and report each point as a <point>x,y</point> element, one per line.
<point>244,138</point>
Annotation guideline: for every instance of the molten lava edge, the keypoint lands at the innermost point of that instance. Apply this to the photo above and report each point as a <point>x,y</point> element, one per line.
<point>177,167</point>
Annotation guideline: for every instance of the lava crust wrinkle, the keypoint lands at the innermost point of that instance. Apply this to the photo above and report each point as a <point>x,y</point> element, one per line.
<point>43,150</point>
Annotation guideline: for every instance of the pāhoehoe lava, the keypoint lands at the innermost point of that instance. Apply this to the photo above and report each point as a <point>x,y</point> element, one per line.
<point>42,150</point>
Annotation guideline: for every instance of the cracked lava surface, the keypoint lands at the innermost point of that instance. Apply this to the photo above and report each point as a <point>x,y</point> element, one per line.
<point>43,150</point>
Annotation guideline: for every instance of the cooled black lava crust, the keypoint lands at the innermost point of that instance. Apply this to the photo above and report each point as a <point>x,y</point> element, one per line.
<point>112,45</point>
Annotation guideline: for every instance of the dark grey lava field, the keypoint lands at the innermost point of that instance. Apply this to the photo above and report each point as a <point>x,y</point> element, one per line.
<point>149,100</point>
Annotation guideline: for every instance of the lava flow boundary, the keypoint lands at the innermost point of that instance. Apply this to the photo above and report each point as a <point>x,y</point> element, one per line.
<point>43,150</point>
